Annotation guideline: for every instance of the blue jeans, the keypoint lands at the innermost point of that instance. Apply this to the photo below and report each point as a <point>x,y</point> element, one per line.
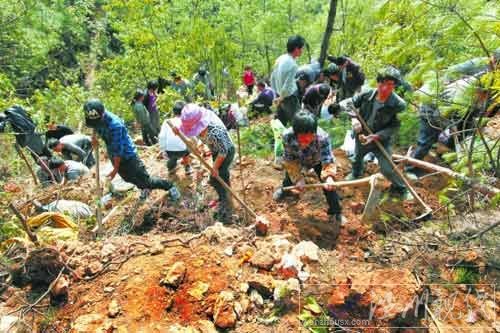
<point>385,166</point>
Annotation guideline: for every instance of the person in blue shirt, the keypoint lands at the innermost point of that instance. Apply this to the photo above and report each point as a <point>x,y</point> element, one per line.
<point>122,151</point>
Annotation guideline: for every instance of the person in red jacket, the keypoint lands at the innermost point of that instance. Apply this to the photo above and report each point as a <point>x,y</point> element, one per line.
<point>249,79</point>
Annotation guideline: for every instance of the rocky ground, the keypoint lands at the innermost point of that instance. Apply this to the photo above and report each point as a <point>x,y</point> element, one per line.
<point>165,267</point>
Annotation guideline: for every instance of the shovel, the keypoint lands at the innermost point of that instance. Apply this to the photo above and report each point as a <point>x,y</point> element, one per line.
<point>370,210</point>
<point>428,210</point>
<point>261,223</point>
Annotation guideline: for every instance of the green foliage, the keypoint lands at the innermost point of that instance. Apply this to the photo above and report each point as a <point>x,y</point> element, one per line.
<point>465,275</point>
<point>256,140</point>
<point>312,314</point>
<point>10,229</point>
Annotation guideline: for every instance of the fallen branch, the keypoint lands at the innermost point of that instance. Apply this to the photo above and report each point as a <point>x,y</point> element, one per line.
<point>482,232</point>
<point>25,226</point>
<point>182,241</point>
<point>486,189</point>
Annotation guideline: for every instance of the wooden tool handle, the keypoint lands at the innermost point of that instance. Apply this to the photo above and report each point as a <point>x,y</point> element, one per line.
<point>194,151</point>
<point>394,167</point>
<point>343,183</point>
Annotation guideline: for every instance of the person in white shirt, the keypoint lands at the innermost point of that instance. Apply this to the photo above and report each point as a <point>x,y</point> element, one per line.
<point>283,80</point>
<point>171,145</point>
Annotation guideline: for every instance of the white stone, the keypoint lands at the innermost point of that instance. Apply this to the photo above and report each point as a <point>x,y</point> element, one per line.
<point>306,250</point>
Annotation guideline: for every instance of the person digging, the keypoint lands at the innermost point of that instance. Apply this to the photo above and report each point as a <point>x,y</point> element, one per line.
<point>379,108</point>
<point>306,147</point>
<point>122,151</point>
<point>196,122</point>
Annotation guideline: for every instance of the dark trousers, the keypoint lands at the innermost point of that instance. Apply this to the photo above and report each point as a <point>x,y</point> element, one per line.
<point>332,198</point>
<point>89,160</point>
<point>287,109</point>
<point>155,122</point>
<point>173,157</point>
<point>250,89</point>
<point>427,136</point>
<point>225,175</point>
<point>385,166</point>
<point>133,171</point>
<point>148,135</point>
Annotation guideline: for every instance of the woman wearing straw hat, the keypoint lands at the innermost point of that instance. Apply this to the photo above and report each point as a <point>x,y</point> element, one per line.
<point>197,122</point>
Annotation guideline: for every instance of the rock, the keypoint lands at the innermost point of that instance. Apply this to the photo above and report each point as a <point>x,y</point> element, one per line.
<point>289,266</point>
<point>228,251</point>
<point>388,293</point>
<point>157,248</point>
<point>108,250</point>
<point>61,287</point>
<point>107,327</point>
<point>224,314</point>
<point>470,257</point>
<point>244,287</point>
<point>219,233</point>
<point>245,304</point>
<point>238,309</point>
<point>198,290</point>
<point>174,275</point>
<point>109,290</point>
<point>256,298</point>
<point>8,324</point>
<point>307,251</point>
<point>261,226</point>
<point>303,276</point>
<point>281,246</point>
<point>94,268</point>
<point>263,259</point>
<point>264,284</point>
<point>87,323</point>
<point>113,308</point>
<point>285,292</point>
<point>206,326</point>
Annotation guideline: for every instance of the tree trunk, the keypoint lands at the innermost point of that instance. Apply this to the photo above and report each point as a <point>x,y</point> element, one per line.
<point>328,32</point>
<point>268,61</point>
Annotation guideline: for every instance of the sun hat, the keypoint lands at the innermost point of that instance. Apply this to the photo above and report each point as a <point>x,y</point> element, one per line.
<point>194,119</point>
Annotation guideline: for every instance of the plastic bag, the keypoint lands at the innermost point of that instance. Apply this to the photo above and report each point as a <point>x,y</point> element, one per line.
<point>278,129</point>
<point>75,209</point>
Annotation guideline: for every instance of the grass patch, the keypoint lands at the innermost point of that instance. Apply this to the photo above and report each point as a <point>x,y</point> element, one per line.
<point>465,275</point>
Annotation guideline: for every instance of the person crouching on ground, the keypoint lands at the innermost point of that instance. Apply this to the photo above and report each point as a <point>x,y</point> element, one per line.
<point>62,171</point>
<point>307,146</point>
<point>122,151</point>
<point>196,122</point>
<point>171,145</point>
